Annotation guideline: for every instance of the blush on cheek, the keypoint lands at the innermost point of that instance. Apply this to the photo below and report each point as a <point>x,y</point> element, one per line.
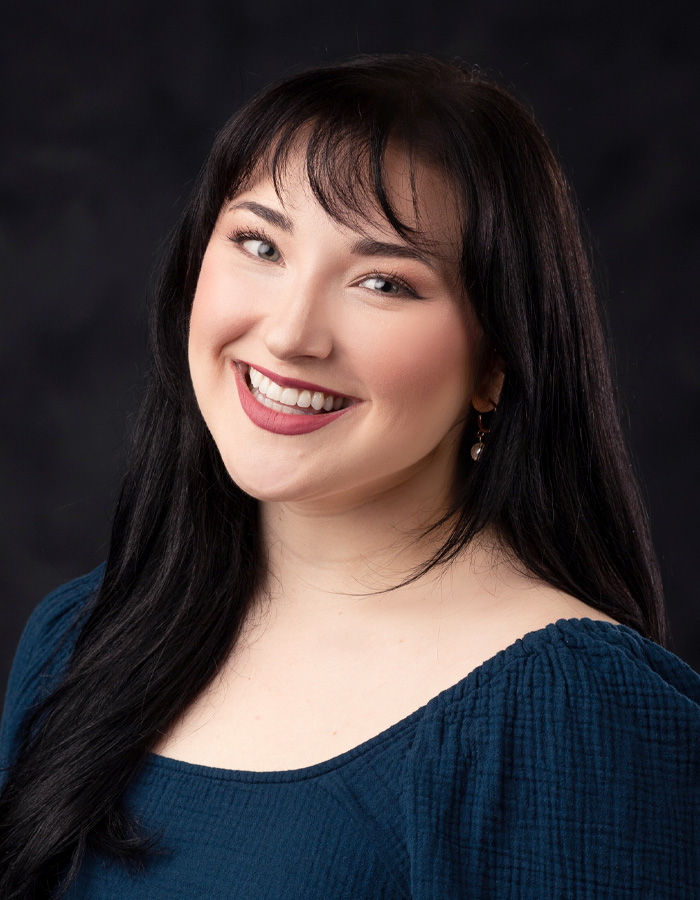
<point>435,361</point>
<point>218,314</point>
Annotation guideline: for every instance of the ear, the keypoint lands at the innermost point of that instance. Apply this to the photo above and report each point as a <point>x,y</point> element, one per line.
<point>488,389</point>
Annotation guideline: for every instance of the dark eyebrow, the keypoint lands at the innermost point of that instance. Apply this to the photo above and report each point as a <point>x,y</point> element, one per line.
<point>269,215</point>
<point>363,247</point>
<point>369,247</point>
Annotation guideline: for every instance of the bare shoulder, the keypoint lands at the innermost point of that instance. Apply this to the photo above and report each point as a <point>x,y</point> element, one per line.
<point>550,604</point>
<point>505,605</point>
<point>539,606</point>
<point>510,595</point>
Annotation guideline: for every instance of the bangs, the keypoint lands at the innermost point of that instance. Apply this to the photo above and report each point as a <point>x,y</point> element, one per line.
<point>343,137</point>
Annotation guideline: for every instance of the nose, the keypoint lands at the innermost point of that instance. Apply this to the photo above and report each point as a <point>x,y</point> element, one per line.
<point>299,322</point>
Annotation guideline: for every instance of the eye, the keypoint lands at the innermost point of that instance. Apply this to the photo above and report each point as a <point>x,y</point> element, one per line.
<point>256,244</point>
<point>263,249</point>
<point>383,284</point>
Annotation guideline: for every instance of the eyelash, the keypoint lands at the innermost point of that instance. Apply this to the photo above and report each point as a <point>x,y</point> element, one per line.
<point>252,234</point>
<point>248,234</point>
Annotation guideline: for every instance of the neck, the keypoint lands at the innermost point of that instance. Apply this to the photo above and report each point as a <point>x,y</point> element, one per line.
<point>315,554</point>
<point>341,555</point>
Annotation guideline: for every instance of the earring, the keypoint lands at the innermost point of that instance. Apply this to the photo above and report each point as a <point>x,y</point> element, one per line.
<point>478,448</point>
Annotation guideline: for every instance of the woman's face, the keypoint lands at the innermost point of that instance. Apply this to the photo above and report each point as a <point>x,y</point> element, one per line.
<point>326,315</point>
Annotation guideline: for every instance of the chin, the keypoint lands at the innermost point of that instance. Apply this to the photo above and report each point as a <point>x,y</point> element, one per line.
<point>265,484</point>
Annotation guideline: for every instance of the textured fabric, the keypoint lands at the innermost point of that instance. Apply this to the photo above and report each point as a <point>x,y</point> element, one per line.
<point>566,767</point>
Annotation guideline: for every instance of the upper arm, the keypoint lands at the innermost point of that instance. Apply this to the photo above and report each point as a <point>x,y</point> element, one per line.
<point>576,775</point>
<point>41,654</point>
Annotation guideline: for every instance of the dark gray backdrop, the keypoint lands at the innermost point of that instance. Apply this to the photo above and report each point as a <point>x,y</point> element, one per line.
<point>108,112</point>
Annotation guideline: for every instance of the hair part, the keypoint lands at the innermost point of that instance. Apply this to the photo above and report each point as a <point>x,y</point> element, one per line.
<point>554,482</point>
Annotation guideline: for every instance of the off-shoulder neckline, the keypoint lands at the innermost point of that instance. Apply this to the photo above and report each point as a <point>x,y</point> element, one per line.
<point>523,646</point>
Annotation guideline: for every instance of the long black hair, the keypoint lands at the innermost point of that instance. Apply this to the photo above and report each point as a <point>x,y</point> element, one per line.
<point>554,483</point>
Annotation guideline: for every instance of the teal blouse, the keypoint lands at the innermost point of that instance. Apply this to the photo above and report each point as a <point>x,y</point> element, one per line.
<point>566,767</point>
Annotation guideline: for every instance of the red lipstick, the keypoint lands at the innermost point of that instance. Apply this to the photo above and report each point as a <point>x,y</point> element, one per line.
<point>280,422</point>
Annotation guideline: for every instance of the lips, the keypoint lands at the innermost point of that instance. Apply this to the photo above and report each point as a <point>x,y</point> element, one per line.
<point>274,420</point>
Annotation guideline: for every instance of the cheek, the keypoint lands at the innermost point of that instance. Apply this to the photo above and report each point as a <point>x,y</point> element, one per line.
<point>425,359</point>
<point>218,313</point>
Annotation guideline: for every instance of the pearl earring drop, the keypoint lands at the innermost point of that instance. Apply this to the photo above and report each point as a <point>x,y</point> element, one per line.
<point>478,448</point>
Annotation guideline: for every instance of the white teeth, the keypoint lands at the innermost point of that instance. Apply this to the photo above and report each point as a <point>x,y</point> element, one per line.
<point>287,398</point>
<point>274,392</point>
<point>290,410</point>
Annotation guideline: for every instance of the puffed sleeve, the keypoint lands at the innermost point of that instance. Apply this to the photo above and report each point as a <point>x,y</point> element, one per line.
<point>43,650</point>
<point>567,768</point>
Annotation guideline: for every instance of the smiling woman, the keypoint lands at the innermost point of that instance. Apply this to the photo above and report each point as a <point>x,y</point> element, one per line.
<point>381,616</point>
<point>288,290</point>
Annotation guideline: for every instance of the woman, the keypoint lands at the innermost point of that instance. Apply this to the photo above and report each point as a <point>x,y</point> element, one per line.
<point>381,615</point>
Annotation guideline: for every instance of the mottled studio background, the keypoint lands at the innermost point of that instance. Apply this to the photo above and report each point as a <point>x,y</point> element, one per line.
<point>108,110</point>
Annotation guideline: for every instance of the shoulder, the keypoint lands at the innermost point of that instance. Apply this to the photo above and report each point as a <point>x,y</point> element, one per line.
<point>574,678</point>
<point>557,764</point>
<point>574,665</point>
<point>43,651</point>
<point>50,624</point>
